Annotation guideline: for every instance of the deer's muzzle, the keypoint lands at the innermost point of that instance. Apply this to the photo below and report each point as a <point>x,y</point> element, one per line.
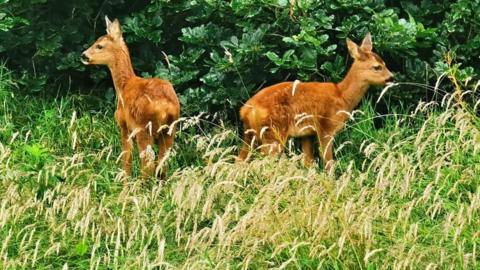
<point>85,59</point>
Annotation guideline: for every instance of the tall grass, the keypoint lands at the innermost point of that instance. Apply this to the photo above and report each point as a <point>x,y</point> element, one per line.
<point>403,196</point>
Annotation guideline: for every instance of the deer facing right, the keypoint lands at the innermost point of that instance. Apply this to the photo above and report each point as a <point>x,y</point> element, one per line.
<point>311,109</point>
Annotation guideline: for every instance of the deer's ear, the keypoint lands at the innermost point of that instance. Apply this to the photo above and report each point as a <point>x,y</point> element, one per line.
<point>114,30</point>
<point>355,51</point>
<point>107,23</point>
<point>367,43</point>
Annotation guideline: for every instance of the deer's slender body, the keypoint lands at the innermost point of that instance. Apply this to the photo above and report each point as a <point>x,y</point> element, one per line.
<point>146,108</point>
<point>312,109</point>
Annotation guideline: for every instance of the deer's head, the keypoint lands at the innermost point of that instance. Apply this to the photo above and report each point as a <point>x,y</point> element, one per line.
<point>107,47</point>
<point>368,66</point>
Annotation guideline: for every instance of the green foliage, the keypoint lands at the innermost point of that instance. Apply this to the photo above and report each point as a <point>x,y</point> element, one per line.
<point>218,53</point>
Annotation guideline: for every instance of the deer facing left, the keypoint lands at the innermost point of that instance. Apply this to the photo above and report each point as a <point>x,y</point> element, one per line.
<point>146,108</point>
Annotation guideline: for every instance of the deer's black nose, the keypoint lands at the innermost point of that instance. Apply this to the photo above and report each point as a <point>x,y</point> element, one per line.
<point>85,58</point>
<point>390,79</point>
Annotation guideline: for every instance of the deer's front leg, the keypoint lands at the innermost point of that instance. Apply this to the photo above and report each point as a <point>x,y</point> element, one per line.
<point>327,136</point>
<point>126,149</point>
<point>326,147</point>
<point>307,149</point>
<point>272,142</point>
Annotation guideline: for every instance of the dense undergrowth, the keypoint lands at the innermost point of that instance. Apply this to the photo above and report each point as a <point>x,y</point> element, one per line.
<point>219,52</point>
<point>405,194</point>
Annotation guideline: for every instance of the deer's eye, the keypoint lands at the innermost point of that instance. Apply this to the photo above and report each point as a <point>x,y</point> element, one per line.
<point>99,47</point>
<point>377,68</point>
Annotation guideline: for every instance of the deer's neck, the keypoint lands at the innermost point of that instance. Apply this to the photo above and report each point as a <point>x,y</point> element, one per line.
<point>122,70</point>
<point>352,89</point>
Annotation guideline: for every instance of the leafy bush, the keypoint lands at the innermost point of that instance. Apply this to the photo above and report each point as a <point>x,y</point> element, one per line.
<point>217,53</point>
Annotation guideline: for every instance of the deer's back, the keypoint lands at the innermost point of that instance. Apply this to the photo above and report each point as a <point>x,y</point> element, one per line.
<point>291,108</point>
<point>311,98</point>
<point>149,100</point>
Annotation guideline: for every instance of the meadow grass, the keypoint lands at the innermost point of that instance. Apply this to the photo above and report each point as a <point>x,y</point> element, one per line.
<point>404,195</point>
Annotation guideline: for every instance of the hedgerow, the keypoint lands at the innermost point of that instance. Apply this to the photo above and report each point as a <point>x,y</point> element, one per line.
<point>217,53</point>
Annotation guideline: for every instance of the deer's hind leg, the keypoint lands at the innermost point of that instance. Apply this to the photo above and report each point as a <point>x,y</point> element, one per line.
<point>249,143</point>
<point>145,150</point>
<point>165,142</point>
